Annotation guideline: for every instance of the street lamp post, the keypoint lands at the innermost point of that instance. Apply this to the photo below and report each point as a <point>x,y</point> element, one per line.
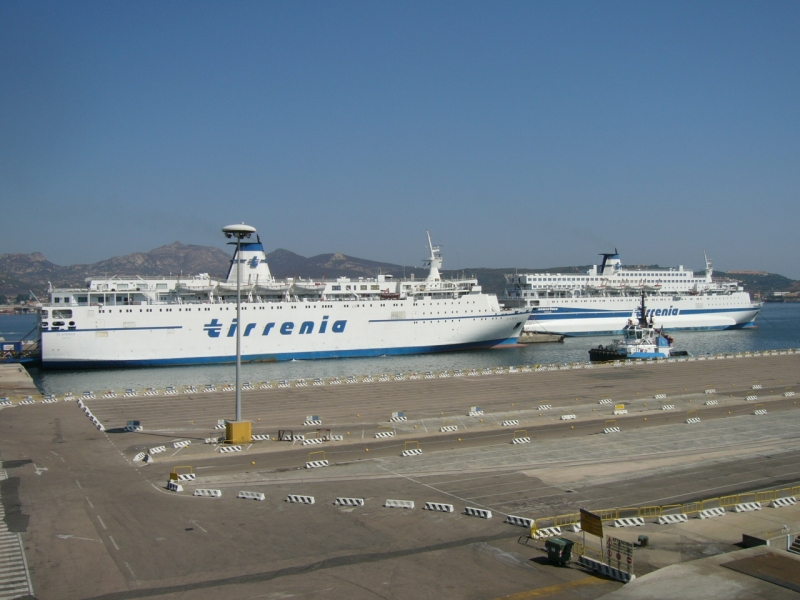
<point>238,232</point>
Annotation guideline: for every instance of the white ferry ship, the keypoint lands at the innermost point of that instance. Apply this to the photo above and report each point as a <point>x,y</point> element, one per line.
<point>606,297</point>
<point>134,321</point>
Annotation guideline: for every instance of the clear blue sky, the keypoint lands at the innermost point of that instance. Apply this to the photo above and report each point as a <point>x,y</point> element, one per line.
<point>522,134</point>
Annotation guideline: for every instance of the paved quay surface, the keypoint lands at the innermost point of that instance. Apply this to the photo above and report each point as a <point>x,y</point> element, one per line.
<point>97,524</point>
<point>708,578</point>
<point>15,381</point>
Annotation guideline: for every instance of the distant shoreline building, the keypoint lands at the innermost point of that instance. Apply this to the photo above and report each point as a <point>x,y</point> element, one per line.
<point>747,272</point>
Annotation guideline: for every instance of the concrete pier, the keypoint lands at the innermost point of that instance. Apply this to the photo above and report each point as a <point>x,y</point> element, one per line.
<point>539,338</point>
<point>15,381</point>
<point>96,523</point>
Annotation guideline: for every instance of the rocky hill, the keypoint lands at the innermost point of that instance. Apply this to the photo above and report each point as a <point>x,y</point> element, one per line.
<point>21,273</point>
<point>284,263</point>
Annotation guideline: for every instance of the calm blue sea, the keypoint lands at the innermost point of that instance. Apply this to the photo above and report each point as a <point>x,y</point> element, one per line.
<point>778,327</point>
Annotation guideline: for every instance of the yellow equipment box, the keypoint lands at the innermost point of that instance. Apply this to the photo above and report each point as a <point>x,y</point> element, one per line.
<point>238,432</point>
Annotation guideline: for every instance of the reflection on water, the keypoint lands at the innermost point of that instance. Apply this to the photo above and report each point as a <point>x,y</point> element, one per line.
<point>778,327</point>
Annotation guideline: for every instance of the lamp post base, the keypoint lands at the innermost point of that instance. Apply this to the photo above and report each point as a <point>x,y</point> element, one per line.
<point>238,432</point>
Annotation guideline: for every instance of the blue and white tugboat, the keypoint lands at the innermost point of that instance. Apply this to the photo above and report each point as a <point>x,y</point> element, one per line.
<point>642,341</point>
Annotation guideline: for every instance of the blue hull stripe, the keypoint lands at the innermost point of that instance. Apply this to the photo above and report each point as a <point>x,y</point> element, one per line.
<point>592,333</point>
<point>207,360</point>
<point>610,314</point>
<point>486,316</point>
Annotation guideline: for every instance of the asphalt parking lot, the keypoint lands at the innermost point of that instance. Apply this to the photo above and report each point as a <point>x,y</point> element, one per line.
<point>97,524</point>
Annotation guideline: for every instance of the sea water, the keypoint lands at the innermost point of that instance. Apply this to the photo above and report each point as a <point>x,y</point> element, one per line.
<point>778,326</point>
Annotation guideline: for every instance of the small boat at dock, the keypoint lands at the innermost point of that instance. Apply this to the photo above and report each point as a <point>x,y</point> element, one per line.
<point>641,341</point>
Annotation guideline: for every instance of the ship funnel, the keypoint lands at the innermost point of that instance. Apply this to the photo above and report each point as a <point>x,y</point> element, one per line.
<point>611,263</point>
<point>253,263</point>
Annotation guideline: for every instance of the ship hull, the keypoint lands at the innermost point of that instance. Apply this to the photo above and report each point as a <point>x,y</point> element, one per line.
<point>607,354</point>
<point>164,335</point>
<point>609,315</point>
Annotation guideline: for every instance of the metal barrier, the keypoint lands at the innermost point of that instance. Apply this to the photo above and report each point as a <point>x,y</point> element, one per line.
<point>318,461</point>
<point>692,507</point>
<point>650,511</point>
<point>175,474</point>
<point>607,514</point>
<point>446,425</point>
<point>671,509</point>
<point>564,520</point>
<point>746,497</point>
<point>409,449</point>
<point>521,439</point>
<point>581,549</point>
<point>766,496</point>
<point>687,508</point>
<point>557,521</point>
<point>384,431</point>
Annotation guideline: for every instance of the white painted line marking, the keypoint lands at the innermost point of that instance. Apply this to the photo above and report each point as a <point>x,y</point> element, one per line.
<point>113,542</point>
<point>14,592</point>
<point>67,536</point>
<point>89,501</point>
<point>10,549</point>
<point>132,573</point>
<point>198,526</point>
<point>25,560</point>
<point>11,567</point>
<point>101,522</point>
<point>79,484</point>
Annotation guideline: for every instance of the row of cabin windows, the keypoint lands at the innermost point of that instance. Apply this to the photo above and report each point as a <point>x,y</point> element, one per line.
<point>338,288</point>
<point>125,286</point>
<point>584,279</point>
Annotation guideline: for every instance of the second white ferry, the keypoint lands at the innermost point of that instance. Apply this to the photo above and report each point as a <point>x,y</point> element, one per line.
<point>133,321</point>
<point>603,300</point>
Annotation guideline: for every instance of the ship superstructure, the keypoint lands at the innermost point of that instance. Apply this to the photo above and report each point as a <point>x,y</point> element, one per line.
<point>139,321</point>
<point>602,300</point>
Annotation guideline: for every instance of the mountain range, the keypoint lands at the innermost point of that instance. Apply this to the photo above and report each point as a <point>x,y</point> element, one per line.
<point>21,273</point>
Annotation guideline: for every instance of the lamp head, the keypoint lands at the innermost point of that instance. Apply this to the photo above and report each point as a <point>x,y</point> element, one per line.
<point>238,231</point>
